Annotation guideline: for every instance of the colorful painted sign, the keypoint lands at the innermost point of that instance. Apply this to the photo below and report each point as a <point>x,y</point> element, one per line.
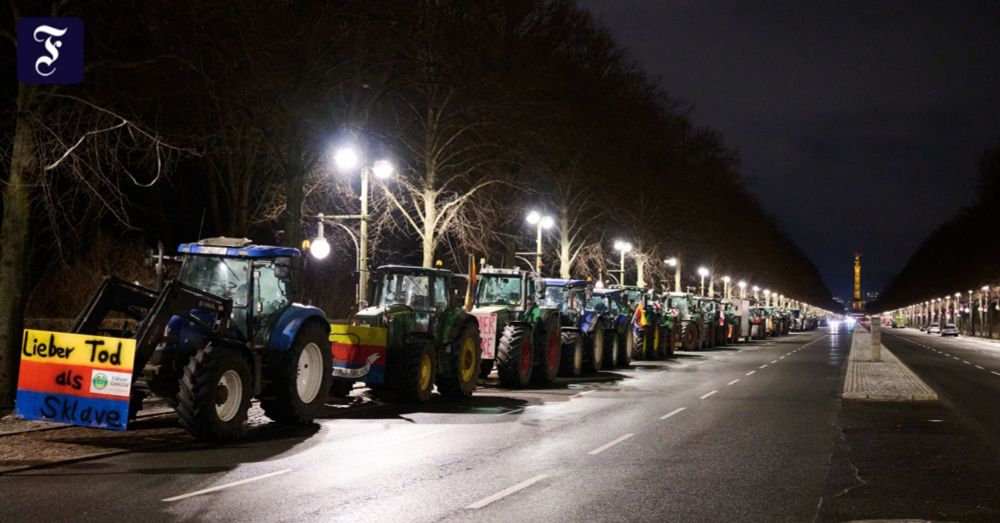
<point>75,378</point>
<point>358,352</point>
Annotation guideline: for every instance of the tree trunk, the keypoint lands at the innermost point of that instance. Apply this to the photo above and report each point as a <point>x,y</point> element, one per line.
<point>430,224</point>
<point>14,239</point>
<point>640,270</point>
<point>564,243</point>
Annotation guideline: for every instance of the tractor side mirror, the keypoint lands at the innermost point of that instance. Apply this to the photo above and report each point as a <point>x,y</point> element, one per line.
<point>539,290</point>
<point>282,271</point>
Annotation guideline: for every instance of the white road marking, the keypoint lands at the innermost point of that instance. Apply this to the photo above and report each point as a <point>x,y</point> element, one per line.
<point>671,413</point>
<point>227,485</point>
<point>955,358</point>
<point>583,393</point>
<point>965,362</point>
<point>773,362</point>
<point>980,367</point>
<point>506,492</point>
<point>751,373</point>
<point>610,444</point>
<point>781,358</point>
<point>733,382</point>
<point>764,366</point>
<point>512,411</point>
<point>995,372</point>
<point>708,394</point>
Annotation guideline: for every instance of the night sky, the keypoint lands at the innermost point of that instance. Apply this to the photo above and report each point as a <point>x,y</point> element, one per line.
<point>859,124</point>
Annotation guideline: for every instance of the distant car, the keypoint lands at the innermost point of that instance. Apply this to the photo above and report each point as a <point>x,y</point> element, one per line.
<point>949,330</point>
<point>934,328</point>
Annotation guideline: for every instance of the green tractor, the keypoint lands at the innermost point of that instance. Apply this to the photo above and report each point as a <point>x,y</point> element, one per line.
<point>695,327</point>
<point>415,335</point>
<point>519,336</point>
<point>737,313</point>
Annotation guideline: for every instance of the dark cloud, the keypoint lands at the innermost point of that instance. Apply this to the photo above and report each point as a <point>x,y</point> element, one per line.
<point>859,124</point>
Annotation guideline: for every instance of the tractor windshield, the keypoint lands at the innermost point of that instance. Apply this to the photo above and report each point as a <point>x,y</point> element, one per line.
<point>404,289</point>
<point>223,277</point>
<point>602,304</point>
<point>555,296</point>
<point>498,290</point>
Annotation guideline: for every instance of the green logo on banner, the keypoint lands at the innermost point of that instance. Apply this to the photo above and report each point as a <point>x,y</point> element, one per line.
<point>100,381</point>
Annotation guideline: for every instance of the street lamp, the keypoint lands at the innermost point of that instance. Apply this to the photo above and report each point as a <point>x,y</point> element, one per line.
<point>622,247</point>
<point>540,222</point>
<point>347,159</point>
<point>675,262</point>
<point>756,290</point>
<point>743,289</point>
<point>725,286</point>
<point>767,297</point>
<point>702,272</point>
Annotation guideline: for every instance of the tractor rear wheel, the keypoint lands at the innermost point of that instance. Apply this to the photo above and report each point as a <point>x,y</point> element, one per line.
<point>300,378</point>
<point>465,359</point>
<point>214,394</point>
<point>662,342</point>
<point>690,337</point>
<point>611,349</point>
<point>412,376</point>
<point>671,335</point>
<point>624,350</point>
<point>595,356</point>
<point>548,348</point>
<point>514,356</point>
<point>571,363</point>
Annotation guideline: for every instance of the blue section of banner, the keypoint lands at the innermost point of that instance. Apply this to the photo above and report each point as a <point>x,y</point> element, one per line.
<point>86,412</point>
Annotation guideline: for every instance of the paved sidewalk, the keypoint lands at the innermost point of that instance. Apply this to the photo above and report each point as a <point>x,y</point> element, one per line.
<point>886,380</point>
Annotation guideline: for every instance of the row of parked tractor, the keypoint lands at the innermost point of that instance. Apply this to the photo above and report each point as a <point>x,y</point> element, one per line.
<point>226,330</point>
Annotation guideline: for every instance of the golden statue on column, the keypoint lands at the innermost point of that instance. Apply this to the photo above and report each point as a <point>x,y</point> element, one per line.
<point>858,304</point>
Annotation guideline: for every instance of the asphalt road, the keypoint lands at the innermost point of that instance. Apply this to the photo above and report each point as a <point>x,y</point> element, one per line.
<point>737,434</point>
<point>964,372</point>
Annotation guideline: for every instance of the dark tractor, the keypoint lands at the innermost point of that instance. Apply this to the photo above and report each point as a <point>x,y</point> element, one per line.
<point>225,331</point>
<point>632,298</point>
<point>519,335</point>
<point>604,311</point>
<point>415,335</point>
<point>647,328</point>
<point>580,347</point>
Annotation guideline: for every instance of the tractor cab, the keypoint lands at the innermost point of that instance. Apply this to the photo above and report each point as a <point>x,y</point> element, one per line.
<point>399,290</point>
<point>256,279</point>
<point>568,296</point>
<point>508,288</point>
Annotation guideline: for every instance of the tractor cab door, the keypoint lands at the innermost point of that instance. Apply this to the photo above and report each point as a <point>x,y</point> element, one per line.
<point>271,295</point>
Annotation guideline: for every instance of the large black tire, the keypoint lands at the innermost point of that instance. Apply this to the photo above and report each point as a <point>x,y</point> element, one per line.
<point>299,379</point>
<point>548,352</point>
<point>515,356</point>
<point>214,394</point>
<point>670,334</point>
<point>690,336</point>
<point>571,363</point>
<point>341,388</point>
<point>638,344</point>
<point>612,349</point>
<point>411,372</point>
<point>595,350</point>
<point>464,364</point>
<point>662,342</point>
<point>625,349</point>
<point>652,338</point>
<point>709,336</point>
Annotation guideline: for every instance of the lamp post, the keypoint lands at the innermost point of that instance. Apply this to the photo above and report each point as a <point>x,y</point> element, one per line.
<point>725,287</point>
<point>767,297</point>
<point>347,159</point>
<point>984,310</point>
<point>675,262</point>
<point>540,222</point>
<point>756,293</point>
<point>622,248</point>
<point>702,272</point>
<point>743,289</point>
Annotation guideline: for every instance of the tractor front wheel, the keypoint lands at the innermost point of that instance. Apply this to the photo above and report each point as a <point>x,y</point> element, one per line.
<point>572,354</point>
<point>514,356</point>
<point>624,349</point>
<point>690,336</point>
<point>300,378</point>
<point>638,337</point>
<point>465,364</point>
<point>214,394</point>
<point>412,376</point>
<point>595,359</point>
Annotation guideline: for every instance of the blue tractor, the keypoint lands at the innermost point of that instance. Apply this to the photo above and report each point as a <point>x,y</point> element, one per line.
<point>583,334</point>
<point>223,332</point>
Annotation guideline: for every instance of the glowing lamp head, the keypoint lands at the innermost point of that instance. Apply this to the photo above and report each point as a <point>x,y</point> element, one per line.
<point>726,279</point>
<point>756,288</point>
<point>985,288</point>
<point>533,217</point>
<point>547,222</point>
<point>346,158</point>
<point>767,292</point>
<point>742,284</point>
<point>623,246</point>
<point>319,248</point>
<point>702,272</point>
<point>383,169</point>
<point>671,262</point>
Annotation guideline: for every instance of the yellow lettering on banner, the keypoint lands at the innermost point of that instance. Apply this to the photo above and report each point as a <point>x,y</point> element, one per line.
<point>375,336</point>
<point>78,349</point>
